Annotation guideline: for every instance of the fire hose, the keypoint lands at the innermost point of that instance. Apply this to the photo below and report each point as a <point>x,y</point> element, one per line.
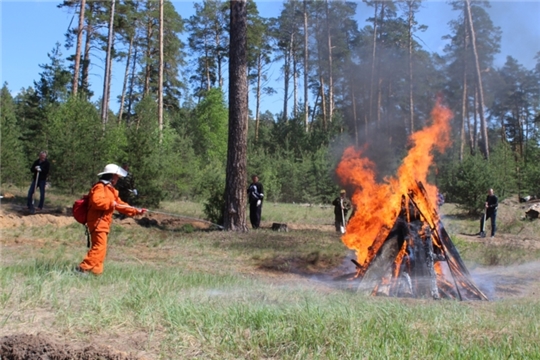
<point>173,215</point>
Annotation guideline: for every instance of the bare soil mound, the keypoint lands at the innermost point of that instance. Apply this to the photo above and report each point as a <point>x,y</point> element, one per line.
<point>24,346</point>
<point>15,216</point>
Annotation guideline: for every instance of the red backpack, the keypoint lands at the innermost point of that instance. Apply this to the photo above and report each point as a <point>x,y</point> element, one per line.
<point>80,213</point>
<point>80,209</point>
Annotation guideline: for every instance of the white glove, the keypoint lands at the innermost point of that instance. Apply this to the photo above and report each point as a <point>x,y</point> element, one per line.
<point>258,202</point>
<point>134,192</point>
<point>38,168</point>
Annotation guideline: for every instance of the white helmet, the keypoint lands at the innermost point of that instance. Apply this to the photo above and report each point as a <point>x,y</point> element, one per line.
<point>113,169</point>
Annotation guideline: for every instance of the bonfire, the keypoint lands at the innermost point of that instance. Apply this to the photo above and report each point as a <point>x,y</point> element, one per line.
<point>401,245</point>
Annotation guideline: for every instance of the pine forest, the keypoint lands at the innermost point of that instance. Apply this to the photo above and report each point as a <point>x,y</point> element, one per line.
<point>176,120</point>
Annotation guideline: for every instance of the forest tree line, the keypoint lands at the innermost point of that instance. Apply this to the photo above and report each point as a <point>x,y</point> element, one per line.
<point>340,85</point>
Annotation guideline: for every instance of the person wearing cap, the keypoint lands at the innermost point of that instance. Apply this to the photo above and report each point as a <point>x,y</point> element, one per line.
<point>103,200</point>
<point>40,172</point>
<point>342,205</point>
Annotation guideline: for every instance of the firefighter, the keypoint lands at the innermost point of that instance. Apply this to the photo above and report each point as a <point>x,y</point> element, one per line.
<point>103,200</point>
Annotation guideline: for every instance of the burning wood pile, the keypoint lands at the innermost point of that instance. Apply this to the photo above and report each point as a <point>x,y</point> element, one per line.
<point>401,245</point>
<point>416,258</point>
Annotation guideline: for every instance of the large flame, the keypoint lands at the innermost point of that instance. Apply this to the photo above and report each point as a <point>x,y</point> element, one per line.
<point>377,205</point>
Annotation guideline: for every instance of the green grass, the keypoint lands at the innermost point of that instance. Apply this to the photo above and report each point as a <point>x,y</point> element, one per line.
<point>221,295</point>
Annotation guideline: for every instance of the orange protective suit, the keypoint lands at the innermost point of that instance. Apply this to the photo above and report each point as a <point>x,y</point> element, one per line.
<point>100,209</point>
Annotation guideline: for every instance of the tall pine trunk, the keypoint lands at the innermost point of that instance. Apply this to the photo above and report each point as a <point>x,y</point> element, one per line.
<point>483,122</point>
<point>126,77</point>
<point>410,46</point>
<point>464,98</point>
<point>78,50</point>
<point>330,67</point>
<point>85,84</point>
<point>373,60</point>
<point>258,95</point>
<point>306,84</point>
<point>108,68</point>
<point>160,80</point>
<point>235,182</point>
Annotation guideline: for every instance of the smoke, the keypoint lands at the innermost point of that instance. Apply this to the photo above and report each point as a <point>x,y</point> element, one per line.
<point>509,281</point>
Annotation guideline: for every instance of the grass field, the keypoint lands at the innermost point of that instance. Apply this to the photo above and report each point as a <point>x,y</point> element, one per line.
<point>257,295</point>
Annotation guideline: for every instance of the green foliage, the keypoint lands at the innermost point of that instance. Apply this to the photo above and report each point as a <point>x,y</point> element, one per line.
<point>467,182</point>
<point>209,127</point>
<point>144,154</point>
<point>178,165</point>
<point>77,145</point>
<point>12,159</point>
<point>214,205</point>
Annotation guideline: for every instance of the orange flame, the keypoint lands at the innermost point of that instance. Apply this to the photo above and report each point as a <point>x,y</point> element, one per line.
<point>378,205</point>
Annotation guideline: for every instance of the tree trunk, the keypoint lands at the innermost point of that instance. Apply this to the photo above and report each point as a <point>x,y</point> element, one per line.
<point>235,183</point>
<point>323,104</point>
<point>147,72</point>
<point>160,77</point>
<point>85,85</point>
<point>464,116</point>
<point>258,95</point>
<point>207,65</point>
<point>306,84</point>
<point>286,76</point>
<point>475,123</point>
<point>315,106</point>
<point>126,77</point>
<point>464,98</point>
<point>373,57</point>
<point>295,85</point>
<point>132,82</point>
<point>483,122</point>
<point>353,100</point>
<point>330,66</point>
<point>108,68</point>
<point>409,39</point>
<point>78,51</point>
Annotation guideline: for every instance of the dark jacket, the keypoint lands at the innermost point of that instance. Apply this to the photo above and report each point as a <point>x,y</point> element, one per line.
<point>337,206</point>
<point>125,186</point>
<point>45,166</point>
<point>255,192</point>
<point>492,203</point>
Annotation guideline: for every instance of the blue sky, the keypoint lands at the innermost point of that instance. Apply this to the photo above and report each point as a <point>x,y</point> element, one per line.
<point>30,29</point>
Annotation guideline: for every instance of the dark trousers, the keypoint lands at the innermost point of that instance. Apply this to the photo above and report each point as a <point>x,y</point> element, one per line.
<point>41,185</point>
<point>338,221</point>
<point>493,217</point>
<point>255,214</point>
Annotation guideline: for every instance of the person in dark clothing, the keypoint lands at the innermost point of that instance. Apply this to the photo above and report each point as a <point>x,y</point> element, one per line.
<point>40,172</point>
<point>492,202</point>
<point>342,205</point>
<point>126,186</point>
<point>255,197</point>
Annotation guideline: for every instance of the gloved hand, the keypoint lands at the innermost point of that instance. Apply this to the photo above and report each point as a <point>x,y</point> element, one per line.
<point>135,192</point>
<point>258,202</point>
<point>38,168</point>
<point>142,211</point>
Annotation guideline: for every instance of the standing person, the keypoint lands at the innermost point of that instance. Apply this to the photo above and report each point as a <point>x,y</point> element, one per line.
<point>255,198</point>
<point>126,186</point>
<point>342,205</point>
<point>491,204</point>
<point>40,172</point>
<point>103,200</point>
